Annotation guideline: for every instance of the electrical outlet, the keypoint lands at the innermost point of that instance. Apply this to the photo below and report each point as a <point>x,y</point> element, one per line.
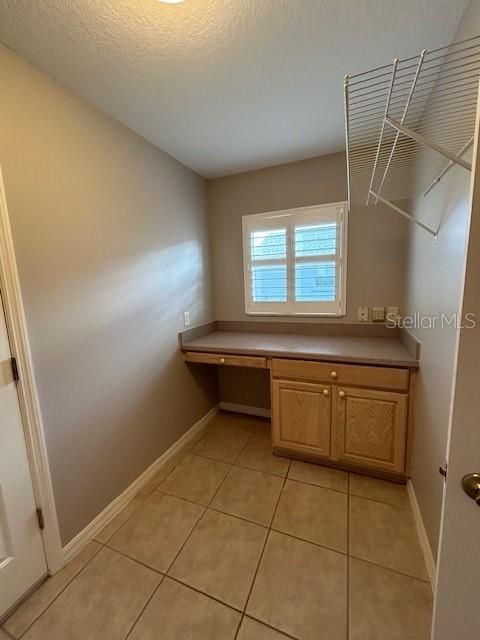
<point>392,315</point>
<point>362,314</point>
<point>378,314</point>
<point>186,318</point>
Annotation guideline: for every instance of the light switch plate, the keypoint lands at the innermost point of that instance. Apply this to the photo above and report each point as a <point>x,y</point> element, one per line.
<point>392,314</point>
<point>362,314</point>
<point>378,314</point>
<point>186,318</point>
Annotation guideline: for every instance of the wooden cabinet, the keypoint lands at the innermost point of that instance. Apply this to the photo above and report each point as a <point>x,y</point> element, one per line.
<point>369,428</point>
<point>341,374</point>
<point>358,421</point>
<point>301,417</point>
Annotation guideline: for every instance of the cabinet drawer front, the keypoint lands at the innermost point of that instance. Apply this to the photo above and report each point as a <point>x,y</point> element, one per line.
<point>226,360</point>
<point>369,428</point>
<point>301,417</point>
<point>344,374</point>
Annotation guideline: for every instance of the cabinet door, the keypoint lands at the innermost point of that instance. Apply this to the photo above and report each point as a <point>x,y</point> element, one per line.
<point>369,428</point>
<point>301,417</point>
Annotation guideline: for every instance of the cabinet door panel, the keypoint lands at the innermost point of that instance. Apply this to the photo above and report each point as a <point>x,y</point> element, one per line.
<point>301,417</point>
<point>370,428</point>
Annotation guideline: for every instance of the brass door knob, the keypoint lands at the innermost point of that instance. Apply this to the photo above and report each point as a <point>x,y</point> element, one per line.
<point>471,486</point>
<point>325,392</point>
<point>334,375</point>
<point>222,360</point>
<point>341,394</point>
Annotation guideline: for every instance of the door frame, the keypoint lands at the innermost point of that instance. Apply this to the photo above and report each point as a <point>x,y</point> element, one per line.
<point>27,390</point>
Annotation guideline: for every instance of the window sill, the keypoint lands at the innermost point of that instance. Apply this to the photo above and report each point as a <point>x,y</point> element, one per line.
<point>295,315</point>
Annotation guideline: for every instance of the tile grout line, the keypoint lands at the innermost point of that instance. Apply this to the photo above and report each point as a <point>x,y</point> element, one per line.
<point>129,632</point>
<point>315,544</point>
<point>143,501</point>
<point>268,527</point>
<point>250,437</point>
<point>102,545</point>
<point>9,635</point>
<point>123,523</point>
<point>266,539</point>
<point>239,626</point>
<point>269,473</point>
<point>319,486</point>
<point>166,572</point>
<point>61,590</point>
<point>205,507</point>
<point>232,515</point>
<point>235,464</point>
<point>204,593</point>
<point>164,575</point>
<point>312,484</point>
<point>388,504</point>
<point>266,624</point>
<point>396,571</point>
<point>142,564</point>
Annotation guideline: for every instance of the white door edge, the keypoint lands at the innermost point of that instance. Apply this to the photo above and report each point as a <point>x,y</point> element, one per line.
<point>441,571</point>
<point>27,390</point>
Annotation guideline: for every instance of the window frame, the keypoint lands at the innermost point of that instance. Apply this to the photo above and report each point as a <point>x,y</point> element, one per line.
<point>291,307</point>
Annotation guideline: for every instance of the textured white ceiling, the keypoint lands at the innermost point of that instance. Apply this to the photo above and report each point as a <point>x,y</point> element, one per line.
<point>223,85</point>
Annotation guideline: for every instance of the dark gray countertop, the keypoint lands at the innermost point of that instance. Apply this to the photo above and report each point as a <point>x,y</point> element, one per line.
<point>331,348</point>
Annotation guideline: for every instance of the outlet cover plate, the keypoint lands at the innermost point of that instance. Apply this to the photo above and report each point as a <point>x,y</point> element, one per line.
<point>362,314</point>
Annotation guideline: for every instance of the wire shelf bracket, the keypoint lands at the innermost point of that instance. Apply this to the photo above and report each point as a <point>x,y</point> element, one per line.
<point>408,123</point>
<point>428,143</point>
<point>405,214</point>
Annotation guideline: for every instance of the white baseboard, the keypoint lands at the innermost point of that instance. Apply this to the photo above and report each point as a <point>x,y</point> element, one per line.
<point>422,534</point>
<point>90,531</point>
<point>244,408</point>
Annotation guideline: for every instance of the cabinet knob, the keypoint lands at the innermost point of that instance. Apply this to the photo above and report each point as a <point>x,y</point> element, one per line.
<point>325,392</point>
<point>222,360</point>
<point>334,375</point>
<point>341,394</point>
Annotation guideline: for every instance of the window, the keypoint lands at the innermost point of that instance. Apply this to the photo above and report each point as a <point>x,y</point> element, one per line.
<point>295,262</point>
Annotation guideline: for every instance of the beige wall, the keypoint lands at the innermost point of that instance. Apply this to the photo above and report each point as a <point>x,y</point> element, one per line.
<point>377,242</point>
<point>376,239</point>
<point>435,285</point>
<point>112,247</point>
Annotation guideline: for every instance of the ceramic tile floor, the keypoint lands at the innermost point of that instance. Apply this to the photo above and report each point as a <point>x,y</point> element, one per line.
<point>229,542</point>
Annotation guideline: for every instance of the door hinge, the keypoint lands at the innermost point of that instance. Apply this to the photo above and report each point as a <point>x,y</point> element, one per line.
<point>443,471</point>
<point>41,521</point>
<point>13,363</point>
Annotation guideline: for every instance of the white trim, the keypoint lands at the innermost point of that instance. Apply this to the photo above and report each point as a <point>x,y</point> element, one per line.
<point>422,534</point>
<point>95,526</point>
<point>27,390</point>
<point>245,408</point>
<point>336,212</point>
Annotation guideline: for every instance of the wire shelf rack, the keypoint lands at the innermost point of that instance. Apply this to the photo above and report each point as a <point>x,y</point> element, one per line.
<point>409,122</point>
